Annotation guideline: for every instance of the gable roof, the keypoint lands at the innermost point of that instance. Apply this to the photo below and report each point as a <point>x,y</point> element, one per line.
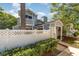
<point>29,11</point>
<point>55,22</point>
<point>58,22</point>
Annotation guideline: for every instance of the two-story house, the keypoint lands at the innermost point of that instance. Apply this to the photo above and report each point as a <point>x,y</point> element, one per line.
<point>30,18</point>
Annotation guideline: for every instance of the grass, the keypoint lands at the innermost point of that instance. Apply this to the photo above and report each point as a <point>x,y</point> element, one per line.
<point>36,49</point>
<point>76,44</point>
<point>70,41</point>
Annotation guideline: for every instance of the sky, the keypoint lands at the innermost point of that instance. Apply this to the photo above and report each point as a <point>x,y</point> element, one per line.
<point>41,9</point>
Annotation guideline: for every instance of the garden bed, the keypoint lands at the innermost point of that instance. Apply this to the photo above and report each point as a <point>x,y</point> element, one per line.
<point>69,40</point>
<point>74,42</point>
<point>59,49</point>
<point>42,48</point>
<point>51,53</point>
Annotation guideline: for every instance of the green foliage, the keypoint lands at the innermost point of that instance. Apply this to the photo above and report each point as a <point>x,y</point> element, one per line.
<point>70,41</point>
<point>6,20</point>
<point>76,33</point>
<point>1,9</point>
<point>66,12</point>
<point>76,26</point>
<point>33,50</point>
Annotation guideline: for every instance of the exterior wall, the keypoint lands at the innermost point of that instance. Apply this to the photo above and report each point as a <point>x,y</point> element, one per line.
<point>15,38</point>
<point>53,30</point>
<point>34,19</point>
<point>29,22</point>
<point>46,26</point>
<point>19,21</point>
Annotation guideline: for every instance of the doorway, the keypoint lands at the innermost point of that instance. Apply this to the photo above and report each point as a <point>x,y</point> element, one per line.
<point>58,31</point>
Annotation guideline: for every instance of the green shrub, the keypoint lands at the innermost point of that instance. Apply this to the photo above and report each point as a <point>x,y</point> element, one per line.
<point>34,49</point>
<point>76,33</point>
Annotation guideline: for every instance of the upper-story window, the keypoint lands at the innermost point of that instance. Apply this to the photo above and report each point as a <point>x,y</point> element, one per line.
<point>30,17</point>
<point>27,16</point>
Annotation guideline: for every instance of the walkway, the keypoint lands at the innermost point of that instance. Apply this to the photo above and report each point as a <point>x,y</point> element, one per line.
<point>72,50</point>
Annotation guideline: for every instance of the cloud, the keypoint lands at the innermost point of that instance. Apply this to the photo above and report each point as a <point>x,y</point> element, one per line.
<point>53,13</point>
<point>12,13</point>
<point>40,14</point>
<point>16,15</point>
<point>50,15</point>
<point>16,6</point>
<point>14,10</point>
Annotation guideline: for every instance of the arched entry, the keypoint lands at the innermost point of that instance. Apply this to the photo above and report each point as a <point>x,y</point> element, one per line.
<point>58,31</point>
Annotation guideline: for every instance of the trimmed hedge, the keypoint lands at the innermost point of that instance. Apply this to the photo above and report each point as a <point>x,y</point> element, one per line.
<point>36,49</point>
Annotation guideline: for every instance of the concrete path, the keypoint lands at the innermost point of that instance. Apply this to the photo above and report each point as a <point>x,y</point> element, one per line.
<point>74,51</point>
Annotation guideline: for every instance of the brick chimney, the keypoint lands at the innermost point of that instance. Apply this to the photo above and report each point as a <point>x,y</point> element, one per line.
<point>22,16</point>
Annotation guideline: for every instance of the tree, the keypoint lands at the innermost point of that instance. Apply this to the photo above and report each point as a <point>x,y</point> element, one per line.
<point>1,9</point>
<point>6,20</point>
<point>66,12</point>
<point>44,18</point>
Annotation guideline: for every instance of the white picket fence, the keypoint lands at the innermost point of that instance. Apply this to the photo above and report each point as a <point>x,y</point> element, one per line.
<point>15,38</point>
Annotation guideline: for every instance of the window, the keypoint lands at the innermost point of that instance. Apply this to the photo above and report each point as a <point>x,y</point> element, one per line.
<point>30,17</point>
<point>27,16</point>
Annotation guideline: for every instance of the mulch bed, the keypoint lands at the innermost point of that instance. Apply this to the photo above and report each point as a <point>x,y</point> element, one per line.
<point>50,53</point>
<point>55,52</point>
<point>72,39</point>
<point>66,38</point>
